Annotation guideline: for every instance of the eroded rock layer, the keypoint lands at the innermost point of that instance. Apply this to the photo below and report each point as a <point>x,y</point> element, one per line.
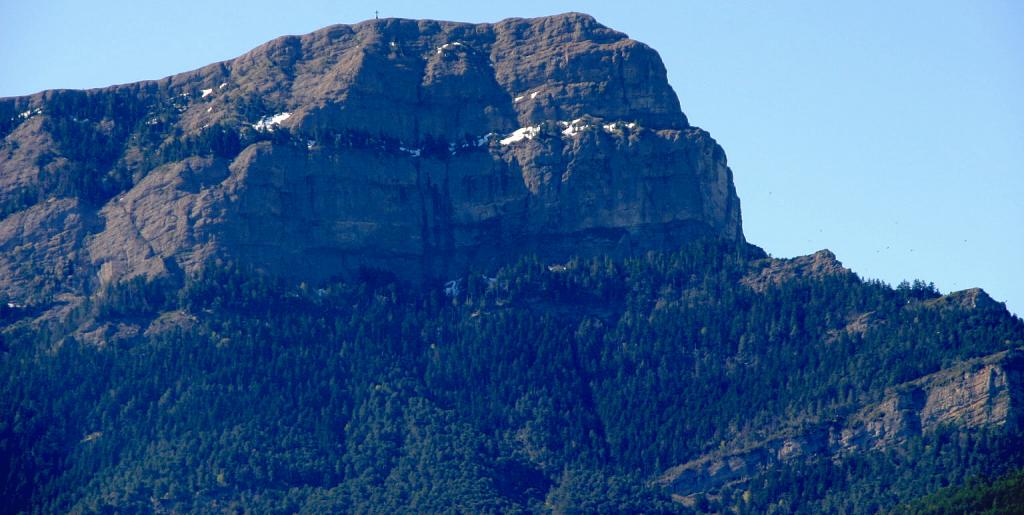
<point>980,393</point>
<point>420,147</point>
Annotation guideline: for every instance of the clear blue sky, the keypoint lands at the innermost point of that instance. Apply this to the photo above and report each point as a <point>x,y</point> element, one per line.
<point>889,132</point>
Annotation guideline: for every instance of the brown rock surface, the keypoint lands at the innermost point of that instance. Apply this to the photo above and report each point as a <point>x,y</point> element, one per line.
<point>41,249</point>
<point>970,299</point>
<point>421,147</point>
<point>776,271</point>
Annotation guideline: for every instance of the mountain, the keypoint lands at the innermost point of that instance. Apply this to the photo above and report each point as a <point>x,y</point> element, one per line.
<point>418,147</point>
<point>422,266</point>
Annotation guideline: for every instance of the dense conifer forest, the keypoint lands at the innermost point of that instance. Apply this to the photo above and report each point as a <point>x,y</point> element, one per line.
<point>566,388</point>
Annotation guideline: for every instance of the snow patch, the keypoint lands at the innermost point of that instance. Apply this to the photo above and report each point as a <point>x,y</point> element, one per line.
<point>269,123</point>
<point>616,127</point>
<point>521,134</point>
<point>446,46</point>
<point>517,99</point>
<point>574,127</point>
<point>485,139</point>
<point>414,152</point>
<point>534,94</point>
<point>92,436</point>
<point>30,113</point>
<point>209,109</point>
<point>207,92</point>
<point>222,85</point>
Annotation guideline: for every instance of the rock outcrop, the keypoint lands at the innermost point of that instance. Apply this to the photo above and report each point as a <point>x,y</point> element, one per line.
<point>421,147</point>
<point>777,271</point>
<point>983,392</point>
<point>969,299</point>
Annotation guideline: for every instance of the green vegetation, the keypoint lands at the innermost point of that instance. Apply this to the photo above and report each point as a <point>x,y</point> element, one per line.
<point>536,389</point>
<point>880,481</point>
<point>980,495</point>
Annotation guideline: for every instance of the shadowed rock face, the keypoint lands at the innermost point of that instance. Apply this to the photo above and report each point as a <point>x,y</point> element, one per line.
<point>421,147</point>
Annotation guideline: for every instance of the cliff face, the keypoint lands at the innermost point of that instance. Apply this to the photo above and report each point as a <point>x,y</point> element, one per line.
<point>420,147</point>
<point>984,392</point>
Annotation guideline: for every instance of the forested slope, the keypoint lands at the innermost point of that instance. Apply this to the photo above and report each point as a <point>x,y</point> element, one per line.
<point>545,386</point>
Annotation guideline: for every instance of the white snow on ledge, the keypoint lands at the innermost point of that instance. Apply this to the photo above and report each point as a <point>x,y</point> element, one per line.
<point>207,92</point>
<point>446,46</point>
<point>569,130</point>
<point>579,125</point>
<point>485,139</point>
<point>521,134</point>
<point>268,123</point>
<point>30,113</point>
<point>574,127</point>
<point>616,127</point>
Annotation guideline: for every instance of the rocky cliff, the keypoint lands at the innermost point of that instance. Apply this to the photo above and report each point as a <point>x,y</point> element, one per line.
<point>420,147</point>
<point>983,392</point>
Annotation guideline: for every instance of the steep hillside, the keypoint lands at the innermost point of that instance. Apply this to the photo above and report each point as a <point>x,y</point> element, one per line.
<point>545,387</point>
<point>980,393</point>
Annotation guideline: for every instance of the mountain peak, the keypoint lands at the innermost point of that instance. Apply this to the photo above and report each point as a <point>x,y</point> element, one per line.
<point>416,146</point>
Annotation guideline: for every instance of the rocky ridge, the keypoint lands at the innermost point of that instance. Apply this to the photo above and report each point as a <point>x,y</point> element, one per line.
<point>415,146</point>
<point>983,392</point>
<point>777,271</point>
